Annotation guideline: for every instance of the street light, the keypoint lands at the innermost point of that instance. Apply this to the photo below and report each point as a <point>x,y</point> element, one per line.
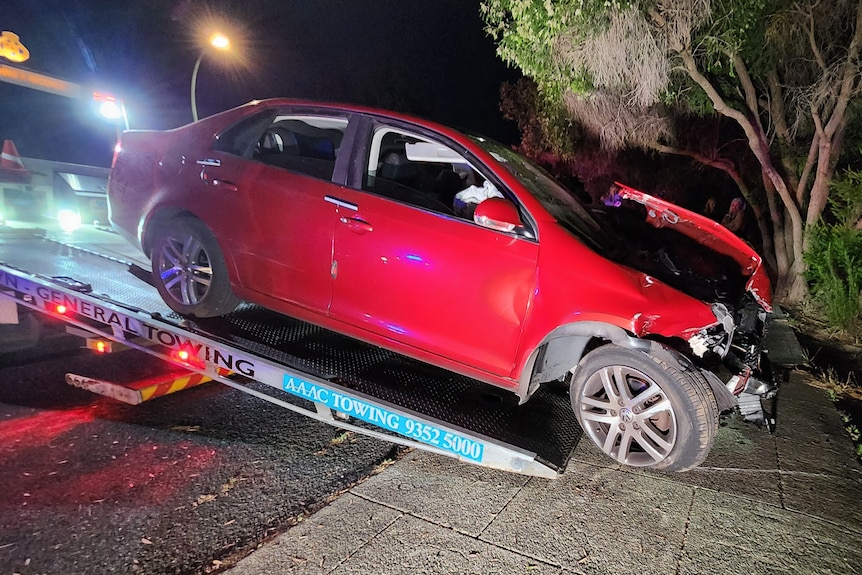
<point>216,40</point>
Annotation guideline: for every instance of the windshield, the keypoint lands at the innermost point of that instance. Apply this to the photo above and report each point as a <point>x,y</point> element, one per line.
<point>560,202</point>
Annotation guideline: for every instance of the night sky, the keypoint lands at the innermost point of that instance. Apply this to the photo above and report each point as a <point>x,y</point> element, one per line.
<point>431,58</point>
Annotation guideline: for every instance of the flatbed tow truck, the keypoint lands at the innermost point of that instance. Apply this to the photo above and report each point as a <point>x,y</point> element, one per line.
<point>91,281</point>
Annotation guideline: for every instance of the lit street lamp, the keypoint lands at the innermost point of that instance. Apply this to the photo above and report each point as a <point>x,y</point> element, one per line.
<point>219,41</point>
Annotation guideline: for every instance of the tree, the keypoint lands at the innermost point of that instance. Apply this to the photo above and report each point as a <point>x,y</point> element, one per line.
<point>784,72</point>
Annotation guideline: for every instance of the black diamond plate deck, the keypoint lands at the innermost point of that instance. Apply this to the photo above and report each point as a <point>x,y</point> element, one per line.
<point>545,425</point>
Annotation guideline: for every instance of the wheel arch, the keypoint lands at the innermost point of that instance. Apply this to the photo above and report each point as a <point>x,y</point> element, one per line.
<point>563,348</point>
<point>168,213</point>
<point>155,220</point>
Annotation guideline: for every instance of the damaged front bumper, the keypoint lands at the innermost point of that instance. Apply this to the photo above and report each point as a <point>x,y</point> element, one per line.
<point>738,341</point>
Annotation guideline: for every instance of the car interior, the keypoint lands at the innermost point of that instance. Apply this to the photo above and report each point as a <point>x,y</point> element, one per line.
<point>303,144</point>
<point>427,182</point>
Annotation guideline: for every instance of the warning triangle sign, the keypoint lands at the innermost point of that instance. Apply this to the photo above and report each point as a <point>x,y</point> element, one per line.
<point>11,167</point>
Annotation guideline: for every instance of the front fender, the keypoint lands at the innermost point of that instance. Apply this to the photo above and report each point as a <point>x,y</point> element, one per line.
<point>563,348</point>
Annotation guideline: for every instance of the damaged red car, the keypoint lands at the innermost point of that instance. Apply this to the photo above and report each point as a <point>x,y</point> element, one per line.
<point>456,251</point>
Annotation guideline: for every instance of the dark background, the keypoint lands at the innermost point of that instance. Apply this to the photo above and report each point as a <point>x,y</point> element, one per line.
<point>430,58</point>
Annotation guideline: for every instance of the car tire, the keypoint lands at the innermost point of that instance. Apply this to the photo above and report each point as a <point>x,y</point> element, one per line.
<point>189,269</point>
<point>644,411</point>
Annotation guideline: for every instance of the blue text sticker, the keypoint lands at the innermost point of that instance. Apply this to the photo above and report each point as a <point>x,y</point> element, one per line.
<point>447,441</point>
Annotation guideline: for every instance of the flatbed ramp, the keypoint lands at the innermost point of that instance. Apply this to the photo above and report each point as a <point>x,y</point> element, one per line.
<point>321,374</point>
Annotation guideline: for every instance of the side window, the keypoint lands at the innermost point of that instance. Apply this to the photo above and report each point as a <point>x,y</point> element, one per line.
<point>239,138</point>
<point>305,144</point>
<point>418,171</point>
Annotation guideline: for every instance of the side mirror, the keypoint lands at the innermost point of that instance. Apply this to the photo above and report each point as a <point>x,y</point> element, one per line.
<point>497,214</point>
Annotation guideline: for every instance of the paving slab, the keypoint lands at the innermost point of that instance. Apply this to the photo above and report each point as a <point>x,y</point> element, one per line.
<point>444,491</point>
<point>418,547</point>
<point>725,536</point>
<point>323,541</point>
<point>833,499</point>
<point>597,520</point>
<point>810,436</point>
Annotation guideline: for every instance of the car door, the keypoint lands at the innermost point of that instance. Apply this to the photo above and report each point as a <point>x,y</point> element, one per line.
<point>408,269</point>
<point>272,214</point>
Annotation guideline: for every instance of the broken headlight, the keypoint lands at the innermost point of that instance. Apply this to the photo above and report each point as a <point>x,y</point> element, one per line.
<point>717,337</point>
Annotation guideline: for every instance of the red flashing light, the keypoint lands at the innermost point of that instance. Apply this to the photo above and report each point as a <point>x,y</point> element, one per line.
<point>61,309</point>
<point>188,356</point>
<point>100,345</point>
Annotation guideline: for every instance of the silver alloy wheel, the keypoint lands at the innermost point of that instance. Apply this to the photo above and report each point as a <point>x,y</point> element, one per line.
<point>628,416</point>
<point>184,268</point>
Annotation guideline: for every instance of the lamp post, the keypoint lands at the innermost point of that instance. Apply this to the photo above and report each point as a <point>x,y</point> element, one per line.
<point>216,40</point>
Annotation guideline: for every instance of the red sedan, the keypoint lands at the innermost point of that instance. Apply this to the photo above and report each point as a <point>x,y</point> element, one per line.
<point>454,250</point>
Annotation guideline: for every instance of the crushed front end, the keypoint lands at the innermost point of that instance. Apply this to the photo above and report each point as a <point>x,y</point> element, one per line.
<point>738,340</point>
<point>707,261</point>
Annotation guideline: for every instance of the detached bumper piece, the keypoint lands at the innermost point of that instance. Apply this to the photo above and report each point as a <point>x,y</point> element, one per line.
<point>757,391</point>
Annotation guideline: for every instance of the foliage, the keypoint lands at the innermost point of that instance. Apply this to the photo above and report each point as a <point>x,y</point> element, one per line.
<point>542,122</point>
<point>846,393</point>
<point>529,33</point>
<point>834,256</point>
<point>786,73</point>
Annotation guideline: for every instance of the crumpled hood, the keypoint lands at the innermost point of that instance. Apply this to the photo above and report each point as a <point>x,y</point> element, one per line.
<point>661,214</point>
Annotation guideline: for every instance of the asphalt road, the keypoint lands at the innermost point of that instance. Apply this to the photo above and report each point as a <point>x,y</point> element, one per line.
<point>91,485</point>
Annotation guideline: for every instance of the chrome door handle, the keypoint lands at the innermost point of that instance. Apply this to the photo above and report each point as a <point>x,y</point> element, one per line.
<point>357,225</point>
<point>341,203</point>
<point>226,185</point>
<point>209,162</point>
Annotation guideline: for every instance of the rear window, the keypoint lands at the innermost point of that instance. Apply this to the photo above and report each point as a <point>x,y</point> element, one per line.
<point>304,144</point>
<point>242,136</point>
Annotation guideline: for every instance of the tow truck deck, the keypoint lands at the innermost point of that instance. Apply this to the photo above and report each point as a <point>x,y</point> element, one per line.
<point>86,281</point>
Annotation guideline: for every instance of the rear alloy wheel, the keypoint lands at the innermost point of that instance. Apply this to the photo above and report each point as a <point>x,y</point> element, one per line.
<point>189,270</point>
<point>643,411</point>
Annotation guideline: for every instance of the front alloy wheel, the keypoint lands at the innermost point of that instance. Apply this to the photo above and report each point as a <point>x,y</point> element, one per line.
<point>642,411</point>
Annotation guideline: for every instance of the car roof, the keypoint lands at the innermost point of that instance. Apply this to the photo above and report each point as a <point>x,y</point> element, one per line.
<point>359,109</point>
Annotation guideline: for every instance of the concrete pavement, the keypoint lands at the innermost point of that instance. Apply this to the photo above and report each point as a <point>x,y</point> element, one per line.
<point>761,503</point>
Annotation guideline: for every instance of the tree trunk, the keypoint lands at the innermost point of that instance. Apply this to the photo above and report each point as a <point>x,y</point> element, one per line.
<point>757,142</point>
<point>820,188</point>
<point>782,266</point>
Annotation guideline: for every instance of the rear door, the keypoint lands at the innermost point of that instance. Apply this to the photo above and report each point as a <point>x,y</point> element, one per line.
<point>271,214</point>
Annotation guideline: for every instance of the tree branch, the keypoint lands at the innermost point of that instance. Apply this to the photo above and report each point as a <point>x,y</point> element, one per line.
<point>776,106</point>
<point>806,171</point>
<point>747,85</point>
<point>851,71</point>
<point>812,42</point>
